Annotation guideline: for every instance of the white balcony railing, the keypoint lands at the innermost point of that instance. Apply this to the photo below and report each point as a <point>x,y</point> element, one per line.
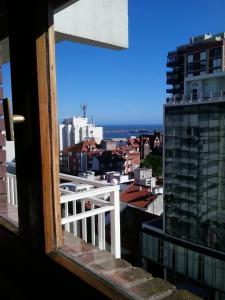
<point>88,214</point>
<point>11,189</point>
<point>90,209</point>
<point>210,96</point>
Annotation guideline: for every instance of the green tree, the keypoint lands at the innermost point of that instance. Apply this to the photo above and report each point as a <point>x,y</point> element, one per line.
<point>153,162</point>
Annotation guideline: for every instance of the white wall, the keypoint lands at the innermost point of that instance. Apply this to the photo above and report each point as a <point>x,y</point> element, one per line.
<point>10,150</point>
<point>206,85</point>
<point>61,137</point>
<point>98,132</point>
<point>101,23</point>
<point>156,206</point>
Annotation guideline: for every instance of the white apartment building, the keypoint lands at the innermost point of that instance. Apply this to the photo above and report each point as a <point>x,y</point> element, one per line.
<point>75,130</point>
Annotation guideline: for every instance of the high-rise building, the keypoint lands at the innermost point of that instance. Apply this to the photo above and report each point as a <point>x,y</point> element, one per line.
<point>77,129</point>
<point>190,244</point>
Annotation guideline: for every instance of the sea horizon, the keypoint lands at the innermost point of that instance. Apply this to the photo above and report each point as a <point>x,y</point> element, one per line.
<point>125,131</point>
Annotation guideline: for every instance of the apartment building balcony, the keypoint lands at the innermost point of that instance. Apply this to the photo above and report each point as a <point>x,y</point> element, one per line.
<point>172,77</point>
<point>174,90</point>
<point>84,214</point>
<point>194,98</point>
<point>174,60</point>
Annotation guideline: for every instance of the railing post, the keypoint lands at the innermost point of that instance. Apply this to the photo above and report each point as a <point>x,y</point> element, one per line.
<point>67,225</point>
<point>74,213</point>
<point>93,226</point>
<point>115,223</point>
<point>101,231</point>
<point>8,188</point>
<point>84,222</point>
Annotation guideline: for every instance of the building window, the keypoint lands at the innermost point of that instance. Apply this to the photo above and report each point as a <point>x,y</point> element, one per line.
<point>190,67</point>
<point>216,70</point>
<point>215,52</point>
<point>203,55</point>
<point>216,63</point>
<point>202,65</point>
<point>190,58</point>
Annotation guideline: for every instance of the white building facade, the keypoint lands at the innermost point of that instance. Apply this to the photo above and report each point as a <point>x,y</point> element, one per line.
<point>77,129</point>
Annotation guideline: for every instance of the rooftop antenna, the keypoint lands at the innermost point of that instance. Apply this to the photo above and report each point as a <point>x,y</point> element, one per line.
<point>84,110</point>
<point>92,120</point>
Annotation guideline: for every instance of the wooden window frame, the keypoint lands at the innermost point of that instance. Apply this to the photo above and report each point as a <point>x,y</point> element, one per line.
<point>36,140</point>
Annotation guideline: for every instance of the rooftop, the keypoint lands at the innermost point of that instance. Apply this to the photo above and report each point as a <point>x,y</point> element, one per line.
<point>137,196</point>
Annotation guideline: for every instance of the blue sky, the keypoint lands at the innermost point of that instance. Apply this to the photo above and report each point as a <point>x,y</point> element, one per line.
<point>128,86</point>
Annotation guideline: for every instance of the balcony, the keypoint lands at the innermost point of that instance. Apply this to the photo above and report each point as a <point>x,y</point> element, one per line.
<point>86,214</point>
<point>117,274</point>
<point>175,62</point>
<point>172,62</point>
<point>194,98</point>
<point>174,90</point>
<point>172,77</point>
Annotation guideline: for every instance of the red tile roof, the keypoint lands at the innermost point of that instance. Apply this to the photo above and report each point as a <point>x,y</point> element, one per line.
<point>83,146</point>
<point>135,142</point>
<point>136,196</point>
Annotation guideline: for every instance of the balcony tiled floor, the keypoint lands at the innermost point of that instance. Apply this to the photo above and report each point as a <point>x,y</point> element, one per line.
<point>134,283</point>
<point>8,211</point>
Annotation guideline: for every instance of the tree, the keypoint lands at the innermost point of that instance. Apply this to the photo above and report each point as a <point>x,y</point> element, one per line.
<point>153,162</point>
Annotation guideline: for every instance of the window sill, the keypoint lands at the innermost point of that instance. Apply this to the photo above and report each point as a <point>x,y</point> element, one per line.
<point>9,225</point>
<point>115,278</point>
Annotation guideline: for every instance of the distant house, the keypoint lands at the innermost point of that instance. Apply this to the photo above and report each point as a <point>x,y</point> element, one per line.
<point>132,158</point>
<point>78,158</point>
<point>106,161</point>
<point>123,160</point>
<point>143,198</point>
<point>156,142</point>
<point>108,145</point>
<point>146,144</point>
<point>140,144</point>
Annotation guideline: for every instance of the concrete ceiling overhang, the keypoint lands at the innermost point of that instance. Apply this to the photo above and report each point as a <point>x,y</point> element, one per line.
<point>102,23</point>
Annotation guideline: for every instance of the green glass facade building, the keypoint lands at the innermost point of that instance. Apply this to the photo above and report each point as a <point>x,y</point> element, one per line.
<point>195,173</point>
<point>188,248</point>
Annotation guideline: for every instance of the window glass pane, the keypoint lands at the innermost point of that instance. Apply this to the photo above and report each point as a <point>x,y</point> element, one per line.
<point>203,55</point>
<point>190,58</point>
<point>8,182</point>
<point>217,62</point>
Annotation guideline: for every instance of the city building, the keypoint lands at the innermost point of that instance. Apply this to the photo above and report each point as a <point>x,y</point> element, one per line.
<point>143,198</point>
<point>108,145</point>
<point>78,158</point>
<point>107,161</point>
<point>147,143</point>
<point>77,129</point>
<point>143,176</point>
<point>156,142</point>
<point>189,247</point>
<point>140,144</point>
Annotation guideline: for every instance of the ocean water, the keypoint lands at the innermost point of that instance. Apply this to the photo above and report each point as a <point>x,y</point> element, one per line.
<point>125,131</point>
